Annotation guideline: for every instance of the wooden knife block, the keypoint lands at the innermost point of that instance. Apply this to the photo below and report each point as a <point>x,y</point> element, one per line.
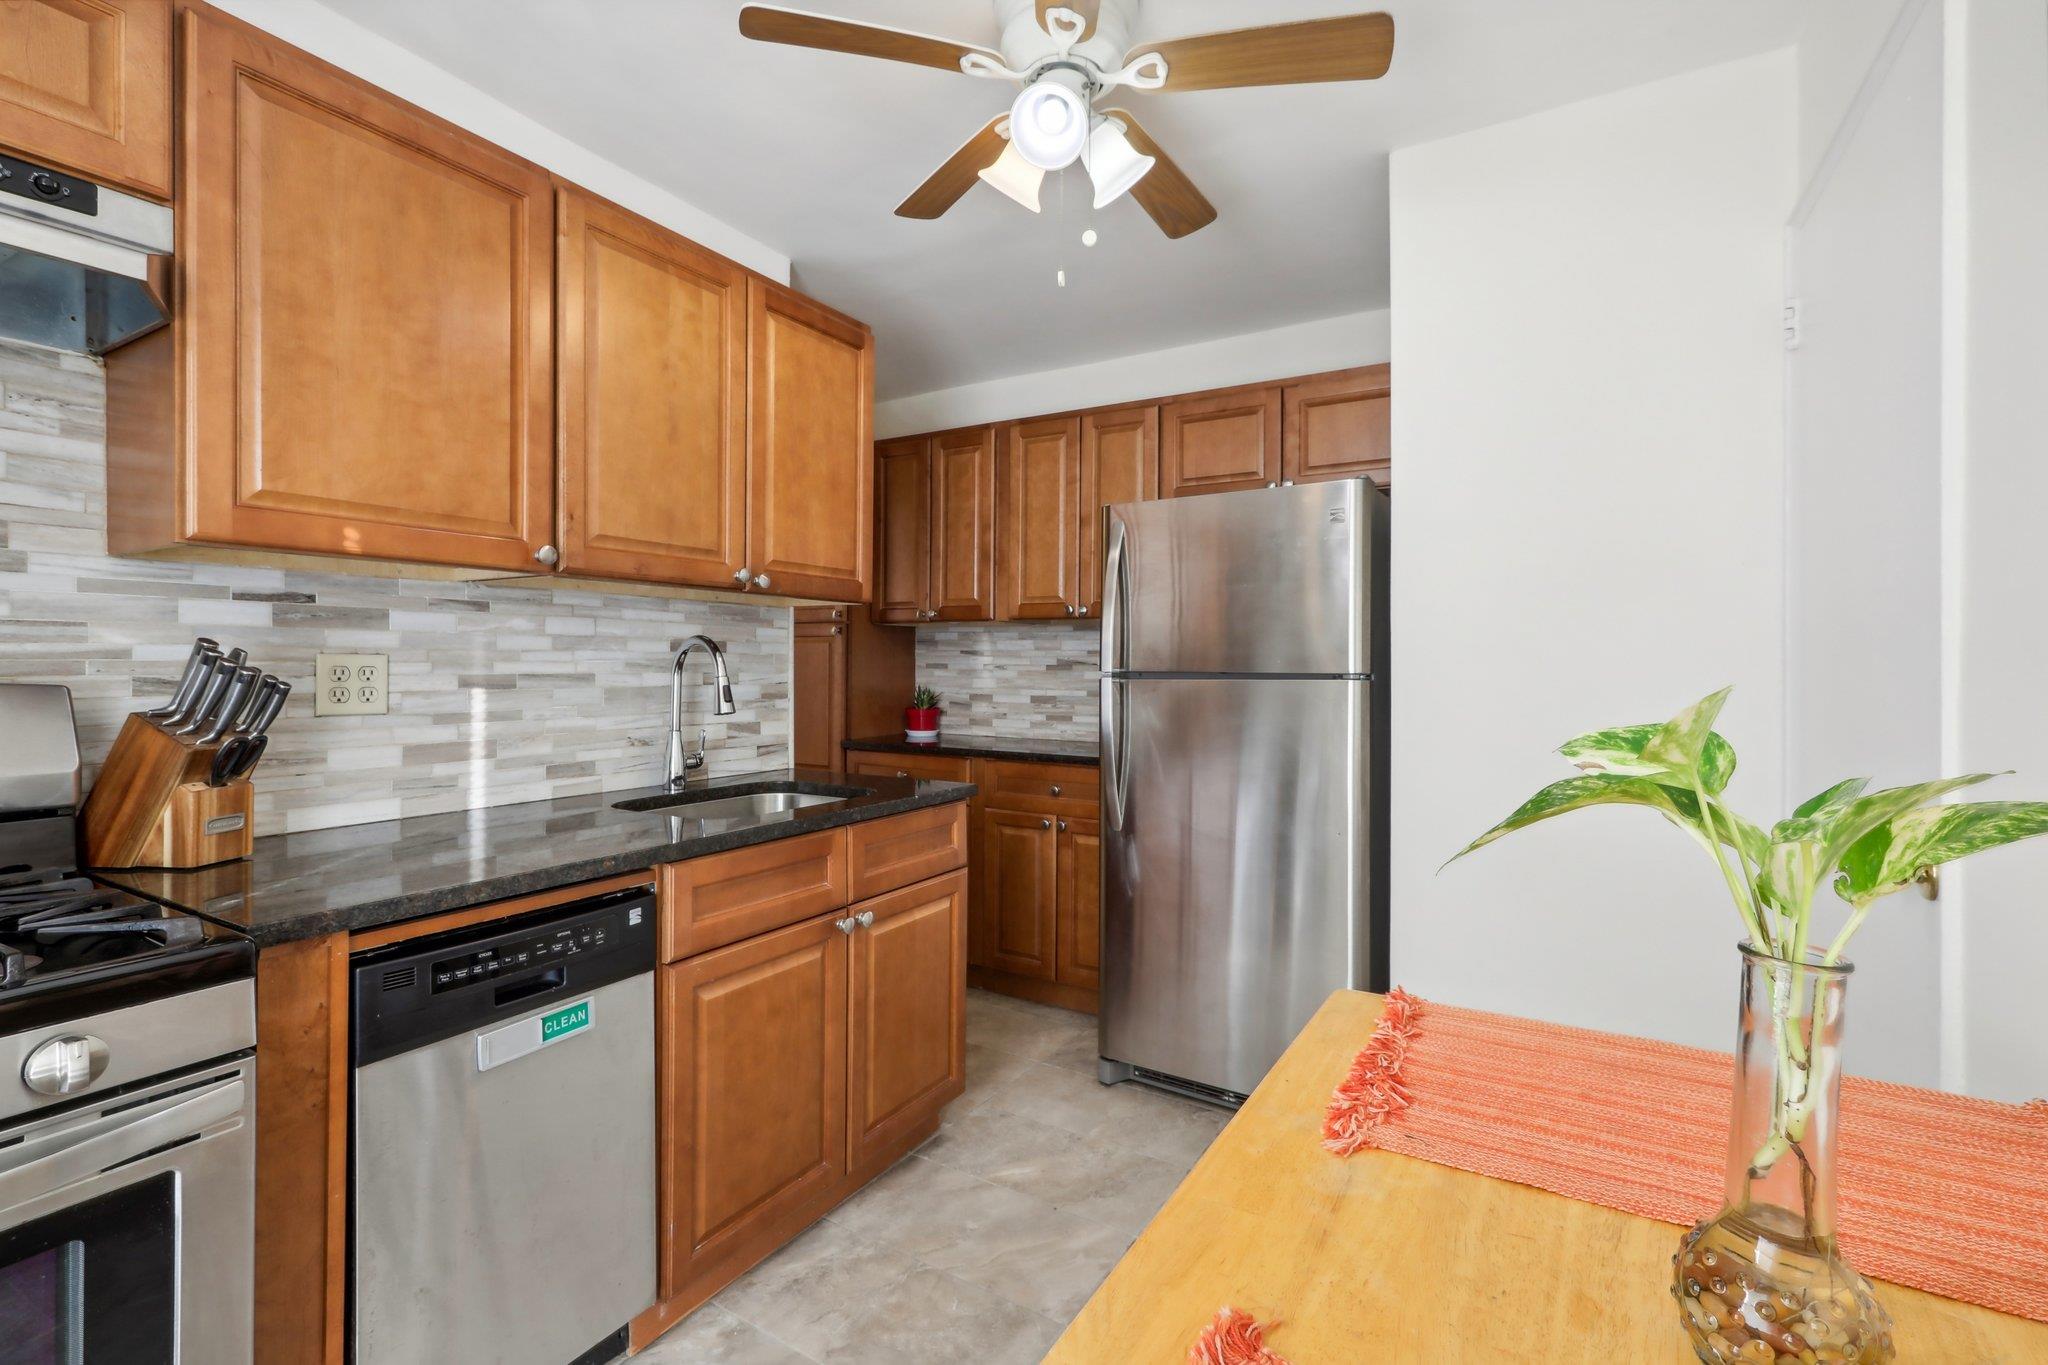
<point>151,806</point>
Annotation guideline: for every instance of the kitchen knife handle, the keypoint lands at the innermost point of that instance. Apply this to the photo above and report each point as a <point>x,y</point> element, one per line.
<point>239,684</point>
<point>189,681</point>
<point>216,684</point>
<point>272,705</point>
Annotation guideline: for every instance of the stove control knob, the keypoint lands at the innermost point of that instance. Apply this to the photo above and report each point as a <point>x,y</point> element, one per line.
<point>65,1066</point>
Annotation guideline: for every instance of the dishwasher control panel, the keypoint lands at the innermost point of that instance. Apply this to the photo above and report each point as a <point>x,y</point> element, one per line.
<point>484,964</point>
<point>490,974</point>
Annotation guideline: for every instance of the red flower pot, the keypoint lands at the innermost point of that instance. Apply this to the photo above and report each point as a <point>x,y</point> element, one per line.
<point>921,718</point>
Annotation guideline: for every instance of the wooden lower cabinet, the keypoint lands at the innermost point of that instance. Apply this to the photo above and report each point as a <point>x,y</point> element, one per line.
<point>907,1046</point>
<point>1019,872</point>
<point>931,767</point>
<point>1077,956</point>
<point>800,1063</point>
<point>753,1095</point>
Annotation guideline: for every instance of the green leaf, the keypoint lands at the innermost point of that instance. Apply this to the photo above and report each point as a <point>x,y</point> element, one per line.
<point>1887,858</point>
<point>1835,797</point>
<point>1597,789</point>
<point>1679,745</point>
<point>1620,750</point>
<point>1807,849</point>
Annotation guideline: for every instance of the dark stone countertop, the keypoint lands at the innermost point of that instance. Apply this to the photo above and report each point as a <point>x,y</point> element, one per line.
<point>304,885</point>
<point>973,744</point>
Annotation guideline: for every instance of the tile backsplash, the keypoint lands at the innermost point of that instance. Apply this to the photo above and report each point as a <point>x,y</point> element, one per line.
<point>497,694</point>
<point>1040,678</point>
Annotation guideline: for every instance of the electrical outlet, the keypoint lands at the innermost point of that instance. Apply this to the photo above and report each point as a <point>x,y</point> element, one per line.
<point>351,684</point>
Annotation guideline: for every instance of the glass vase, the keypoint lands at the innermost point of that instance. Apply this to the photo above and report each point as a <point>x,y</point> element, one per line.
<point>1762,1281</point>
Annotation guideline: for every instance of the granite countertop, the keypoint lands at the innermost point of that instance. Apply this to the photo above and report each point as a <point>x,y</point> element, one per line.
<point>973,744</point>
<point>297,886</point>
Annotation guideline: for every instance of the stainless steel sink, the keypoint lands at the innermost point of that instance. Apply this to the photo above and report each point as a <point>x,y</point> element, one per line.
<point>774,802</point>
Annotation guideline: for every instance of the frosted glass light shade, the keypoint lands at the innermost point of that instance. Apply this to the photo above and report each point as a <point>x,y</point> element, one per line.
<point>1113,163</point>
<point>1049,124</point>
<point>1014,176</point>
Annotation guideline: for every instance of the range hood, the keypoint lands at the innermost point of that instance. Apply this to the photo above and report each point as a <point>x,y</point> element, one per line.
<point>82,267</point>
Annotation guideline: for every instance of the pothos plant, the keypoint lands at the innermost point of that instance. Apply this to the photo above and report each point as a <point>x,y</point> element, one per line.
<point>1863,845</point>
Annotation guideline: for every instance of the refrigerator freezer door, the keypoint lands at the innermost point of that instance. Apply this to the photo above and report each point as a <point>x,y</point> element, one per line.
<point>1236,868</point>
<point>1275,580</point>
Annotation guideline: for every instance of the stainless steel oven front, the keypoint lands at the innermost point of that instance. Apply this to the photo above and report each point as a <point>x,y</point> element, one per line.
<point>127,1220</point>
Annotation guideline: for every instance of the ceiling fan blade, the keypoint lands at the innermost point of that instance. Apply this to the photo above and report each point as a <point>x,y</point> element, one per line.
<point>773,24</point>
<point>1353,47</point>
<point>1166,192</point>
<point>1089,10</point>
<point>944,187</point>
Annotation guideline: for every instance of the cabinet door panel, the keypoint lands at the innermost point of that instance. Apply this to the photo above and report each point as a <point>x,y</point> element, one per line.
<point>1119,463</point>
<point>754,1095</point>
<point>932,766</point>
<point>908,1043</point>
<point>1340,426</point>
<point>651,379</point>
<point>1080,928</point>
<point>903,513</point>
<point>1219,443</point>
<point>963,525</point>
<point>85,87</point>
<point>818,695</point>
<point>365,297</point>
<point>1020,862</point>
<point>810,398</point>
<point>1039,560</point>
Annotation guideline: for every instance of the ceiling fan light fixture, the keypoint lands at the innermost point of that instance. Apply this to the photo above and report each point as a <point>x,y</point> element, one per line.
<point>1113,163</point>
<point>1014,176</point>
<point>1049,124</point>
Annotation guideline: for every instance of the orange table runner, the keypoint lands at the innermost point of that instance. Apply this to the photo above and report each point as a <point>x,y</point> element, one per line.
<point>1938,1191</point>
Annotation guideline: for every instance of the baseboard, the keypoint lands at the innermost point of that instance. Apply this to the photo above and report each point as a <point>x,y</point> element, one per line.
<point>1081,998</point>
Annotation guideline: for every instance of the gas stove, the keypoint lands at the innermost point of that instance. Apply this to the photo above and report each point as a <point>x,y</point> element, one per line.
<point>68,945</point>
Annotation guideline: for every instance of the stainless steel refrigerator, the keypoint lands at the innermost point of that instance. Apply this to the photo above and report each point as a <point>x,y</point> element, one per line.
<point>1244,761</point>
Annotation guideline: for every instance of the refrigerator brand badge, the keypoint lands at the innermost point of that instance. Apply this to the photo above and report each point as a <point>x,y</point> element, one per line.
<point>559,1024</point>
<point>1337,514</point>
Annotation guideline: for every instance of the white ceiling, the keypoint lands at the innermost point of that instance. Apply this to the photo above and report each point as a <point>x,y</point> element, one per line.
<point>809,152</point>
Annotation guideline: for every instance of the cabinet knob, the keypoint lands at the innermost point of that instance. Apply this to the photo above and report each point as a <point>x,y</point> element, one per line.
<point>1055,791</point>
<point>1082,610</point>
<point>548,555</point>
<point>837,629</point>
<point>743,577</point>
<point>865,919</point>
<point>838,614</point>
<point>901,773</point>
<point>760,580</point>
<point>844,926</point>
<point>1063,827</point>
<point>1045,824</point>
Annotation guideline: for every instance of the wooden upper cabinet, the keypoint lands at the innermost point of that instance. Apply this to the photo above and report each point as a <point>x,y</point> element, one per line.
<point>1338,426</point>
<point>963,523</point>
<point>810,399</point>
<point>363,336</point>
<point>85,87</point>
<point>903,531</point>
<point>651,396</point>
<point>907,1047</point>
<point>1119,463</point>
<point>1220,442</point>
<point>1038,559</point>
<point>817,689</point>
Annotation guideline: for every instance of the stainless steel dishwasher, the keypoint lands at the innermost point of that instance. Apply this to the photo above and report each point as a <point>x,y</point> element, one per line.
<point>502,1170</point>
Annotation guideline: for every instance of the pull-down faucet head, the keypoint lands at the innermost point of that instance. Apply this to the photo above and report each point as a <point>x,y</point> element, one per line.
<point>681,764</point>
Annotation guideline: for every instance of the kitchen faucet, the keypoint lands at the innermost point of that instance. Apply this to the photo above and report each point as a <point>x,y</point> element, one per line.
<point>684,767</point>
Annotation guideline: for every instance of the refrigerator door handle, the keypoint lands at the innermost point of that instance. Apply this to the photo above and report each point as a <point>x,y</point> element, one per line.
<point>1113,759</point>
<point>1113,587</point>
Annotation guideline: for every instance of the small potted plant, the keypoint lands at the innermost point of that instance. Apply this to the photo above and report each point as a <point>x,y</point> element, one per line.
<point>1763,1279</point>
<point>921,717</point>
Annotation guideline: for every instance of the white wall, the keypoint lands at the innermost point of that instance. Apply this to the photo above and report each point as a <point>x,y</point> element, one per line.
<point>1304,348</point>
<point>1838,44</point>
<point>1585,325</point>
<point>328,34</point>
<point>1995,948</point>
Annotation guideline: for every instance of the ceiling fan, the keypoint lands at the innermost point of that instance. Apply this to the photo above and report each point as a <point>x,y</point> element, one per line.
<point>1067,53</point>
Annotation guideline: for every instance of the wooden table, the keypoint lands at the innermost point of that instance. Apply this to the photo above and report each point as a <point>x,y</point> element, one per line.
<point>1384,1258</point>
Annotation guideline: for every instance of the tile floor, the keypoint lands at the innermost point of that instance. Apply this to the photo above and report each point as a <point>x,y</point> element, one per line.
<point>982,1244</point>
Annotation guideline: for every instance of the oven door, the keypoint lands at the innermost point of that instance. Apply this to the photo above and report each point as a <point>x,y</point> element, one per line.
<point>126,1226</point>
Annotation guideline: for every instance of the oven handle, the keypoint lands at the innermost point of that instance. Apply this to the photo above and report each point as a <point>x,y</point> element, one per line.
<point>82,1150</point>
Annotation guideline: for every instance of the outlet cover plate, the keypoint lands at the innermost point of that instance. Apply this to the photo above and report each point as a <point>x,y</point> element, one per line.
<point>351,684</point>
